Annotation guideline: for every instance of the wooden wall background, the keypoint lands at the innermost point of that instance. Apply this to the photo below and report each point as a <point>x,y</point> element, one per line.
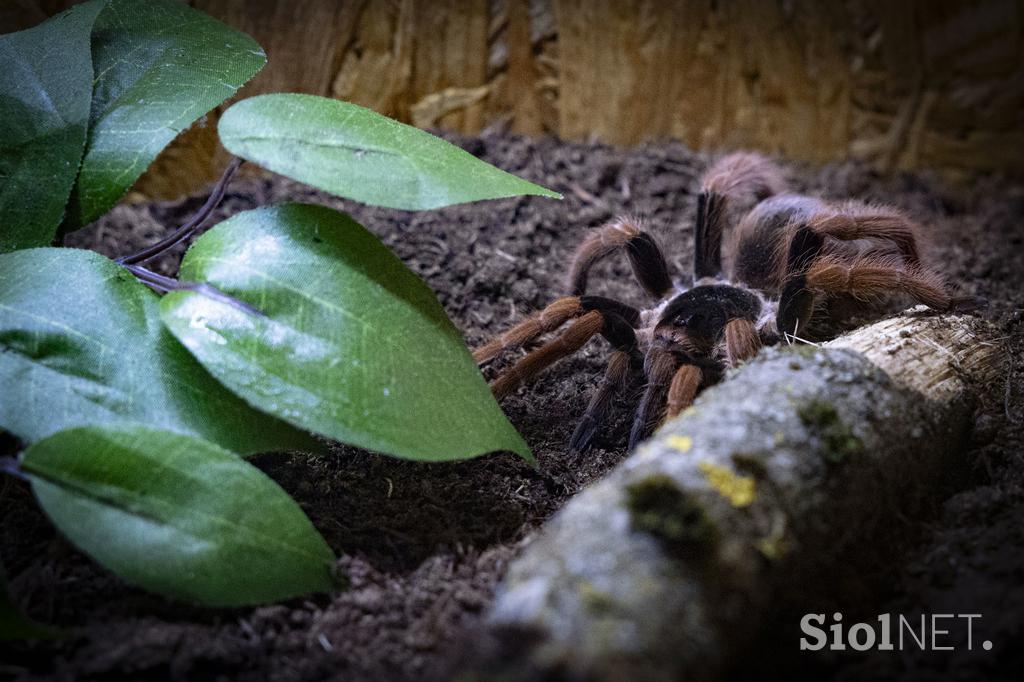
<point>898,83</point>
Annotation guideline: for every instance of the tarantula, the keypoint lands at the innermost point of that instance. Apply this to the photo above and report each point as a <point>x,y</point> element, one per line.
<point>787,254</point>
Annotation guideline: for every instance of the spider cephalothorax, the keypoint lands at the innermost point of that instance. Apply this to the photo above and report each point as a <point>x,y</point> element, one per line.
<point>788,254</point>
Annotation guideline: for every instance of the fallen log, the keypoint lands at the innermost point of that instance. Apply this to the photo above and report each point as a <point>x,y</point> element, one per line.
<point>792,466</point>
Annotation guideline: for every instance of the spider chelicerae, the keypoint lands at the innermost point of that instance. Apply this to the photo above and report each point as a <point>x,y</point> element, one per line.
<point>787,257</point>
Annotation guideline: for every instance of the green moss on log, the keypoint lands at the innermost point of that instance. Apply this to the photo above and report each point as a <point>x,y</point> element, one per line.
<point>837,439</point>
<point>658,506</point>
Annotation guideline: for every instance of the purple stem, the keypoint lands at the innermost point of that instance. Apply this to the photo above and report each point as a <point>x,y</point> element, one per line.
<point>9,465</point>
<point>164,284</point>
<point>190,227</point>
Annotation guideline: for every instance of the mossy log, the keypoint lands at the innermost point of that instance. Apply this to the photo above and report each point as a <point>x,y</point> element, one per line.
<point>796,463</point>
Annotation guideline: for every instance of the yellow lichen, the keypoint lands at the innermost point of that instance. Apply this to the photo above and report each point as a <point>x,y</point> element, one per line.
<point>680,443</point>
<point>776,545</point>
<point>739,490</point>
<point>594,599</point>
<point>773,548</point>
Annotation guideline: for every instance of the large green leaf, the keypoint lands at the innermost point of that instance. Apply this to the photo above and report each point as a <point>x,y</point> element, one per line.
<point>359,154</point>
<point>353,345</point>
<point>81,342</point>
<point>45,90</point>
<point>178,515</point>
<point>13,623</point>
<point>160,65</point>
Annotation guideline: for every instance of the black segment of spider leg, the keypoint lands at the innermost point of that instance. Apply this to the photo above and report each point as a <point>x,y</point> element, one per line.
<point>805,246</point>
<point>645,257</point>
<point>626,312</point>
<point>707,242</point>
<point>733,184</point>
<point>649,265</point>
<point>659,367</point>
<point>796,301</point>
<point>620,334</point>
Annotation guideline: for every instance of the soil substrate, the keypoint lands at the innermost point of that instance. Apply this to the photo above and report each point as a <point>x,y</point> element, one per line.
<point>423,546</point>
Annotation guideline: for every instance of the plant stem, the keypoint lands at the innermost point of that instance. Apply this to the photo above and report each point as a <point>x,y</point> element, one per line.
<point>163,284</point>
<point>9,465</point>
<point>190,227</point>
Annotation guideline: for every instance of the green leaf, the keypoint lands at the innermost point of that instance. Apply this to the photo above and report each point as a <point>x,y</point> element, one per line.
<point>45,90</point>
<point>81,342</point>
<point>13,623</point>
<point>160,65</point>
<point>359,154</point>
<point>178,515</point>
<point>353,345</point>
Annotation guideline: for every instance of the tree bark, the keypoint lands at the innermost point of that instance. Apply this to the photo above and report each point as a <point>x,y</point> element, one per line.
<point>797,464</point>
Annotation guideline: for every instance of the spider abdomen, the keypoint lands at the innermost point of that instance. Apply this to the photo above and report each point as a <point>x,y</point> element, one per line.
<point>763,236</point>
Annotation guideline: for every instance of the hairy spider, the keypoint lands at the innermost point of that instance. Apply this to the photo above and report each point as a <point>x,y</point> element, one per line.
<point>787,254</point>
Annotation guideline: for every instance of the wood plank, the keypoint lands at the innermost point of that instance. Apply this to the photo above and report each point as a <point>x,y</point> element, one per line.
<point>896,84</point>
<point>450,51</point>
<point>521,88</point>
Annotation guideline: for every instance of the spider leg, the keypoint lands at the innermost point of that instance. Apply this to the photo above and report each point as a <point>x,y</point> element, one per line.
<point>568,342</point>
<point>611,318</point>
<point>645,257</point>
<point>796,302</point>
<point>707,236</point>
<point>623,338</point>
<point>861,221</point>
<point>548,320</point>
<point>741,341</point>
<point>659,366</point>
<point>872,278</point>
<point>739,179</point>
<point>683,389</point>
<point>865,279</point>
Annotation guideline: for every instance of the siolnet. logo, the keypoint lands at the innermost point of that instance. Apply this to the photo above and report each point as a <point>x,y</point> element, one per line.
<point>931,632</point>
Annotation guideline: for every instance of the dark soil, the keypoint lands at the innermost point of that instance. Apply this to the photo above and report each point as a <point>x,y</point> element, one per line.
<point>423,546</point>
